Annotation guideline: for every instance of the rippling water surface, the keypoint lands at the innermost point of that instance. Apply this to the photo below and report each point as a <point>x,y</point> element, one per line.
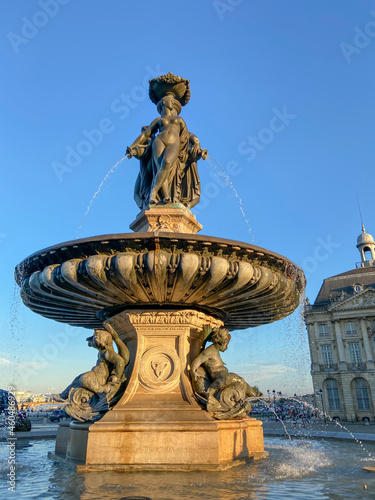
<point>298,469</point>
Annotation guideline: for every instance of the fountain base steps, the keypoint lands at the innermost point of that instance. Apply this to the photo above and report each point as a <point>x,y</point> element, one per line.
<point>188,445</point>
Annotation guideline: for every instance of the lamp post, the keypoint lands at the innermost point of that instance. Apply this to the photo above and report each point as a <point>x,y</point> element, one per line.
<point>280,403</point>
<point>295,408</point>
<point>320,393</point>
<point>274,401</point>
<point>268,402</point>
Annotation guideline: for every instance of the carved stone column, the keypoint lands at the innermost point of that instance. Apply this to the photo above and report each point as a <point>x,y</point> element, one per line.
<point>158,424</point>
<point>313,336</point>
<point>340,346</point>
<point>370,365</point>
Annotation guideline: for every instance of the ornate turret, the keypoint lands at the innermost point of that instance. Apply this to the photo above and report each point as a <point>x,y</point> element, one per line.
<point>366,247</point>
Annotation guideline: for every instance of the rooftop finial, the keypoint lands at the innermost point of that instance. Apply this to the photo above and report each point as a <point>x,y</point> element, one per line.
<point>360,214</point>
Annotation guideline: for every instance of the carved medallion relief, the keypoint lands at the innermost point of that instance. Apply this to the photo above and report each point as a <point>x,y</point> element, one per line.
<point>160,369</point>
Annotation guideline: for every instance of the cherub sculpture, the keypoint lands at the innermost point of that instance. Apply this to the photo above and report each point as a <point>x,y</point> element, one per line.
<point>167,151</point>
<point>224,393</point>
<point>92,393</point>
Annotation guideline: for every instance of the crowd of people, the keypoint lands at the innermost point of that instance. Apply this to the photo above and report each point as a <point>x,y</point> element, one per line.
<point>298,415</point>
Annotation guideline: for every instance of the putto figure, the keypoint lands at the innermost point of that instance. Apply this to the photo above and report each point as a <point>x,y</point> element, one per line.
<point>92,393</point>
<point>167,151</point>
<point>224,393</point>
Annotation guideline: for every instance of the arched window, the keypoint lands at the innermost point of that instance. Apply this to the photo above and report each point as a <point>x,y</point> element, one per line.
<point>361,394</point>
<point>333,394</point>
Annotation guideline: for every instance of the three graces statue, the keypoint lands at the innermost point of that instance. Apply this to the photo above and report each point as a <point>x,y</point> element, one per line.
<point>167,151</point>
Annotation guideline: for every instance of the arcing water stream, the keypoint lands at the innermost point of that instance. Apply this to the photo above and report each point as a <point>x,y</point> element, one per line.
<point>111,170</point>
<point>219,170</point>
<point>327,417</point>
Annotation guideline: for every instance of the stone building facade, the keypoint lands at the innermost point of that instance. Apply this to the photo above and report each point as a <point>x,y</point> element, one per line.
<point>341,331</point>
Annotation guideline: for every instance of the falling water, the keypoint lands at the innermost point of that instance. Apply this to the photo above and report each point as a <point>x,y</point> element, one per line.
<point>16,328</point>
<point>111,170</point>
<point>295,349</point>
<point>325,416</point>
<point>221,173</point>
<point>277,417</point>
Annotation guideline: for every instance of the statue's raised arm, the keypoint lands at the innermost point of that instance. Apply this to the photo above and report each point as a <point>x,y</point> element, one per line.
<point>168,153</point>
<point>138,147</point>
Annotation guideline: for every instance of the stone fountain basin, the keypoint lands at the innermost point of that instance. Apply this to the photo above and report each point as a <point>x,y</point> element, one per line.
<point>84,282</point>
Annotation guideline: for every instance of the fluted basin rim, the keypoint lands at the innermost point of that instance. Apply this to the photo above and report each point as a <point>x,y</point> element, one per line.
<point>84,282</point>
<point>74,249</point>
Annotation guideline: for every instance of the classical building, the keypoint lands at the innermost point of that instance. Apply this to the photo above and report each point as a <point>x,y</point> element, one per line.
<point>341,331</point>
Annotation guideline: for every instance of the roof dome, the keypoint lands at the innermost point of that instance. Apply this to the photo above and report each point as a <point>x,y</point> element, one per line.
<point>364,238</point>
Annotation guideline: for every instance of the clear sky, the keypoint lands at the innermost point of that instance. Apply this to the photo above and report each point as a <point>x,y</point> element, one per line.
<point>283,92</point>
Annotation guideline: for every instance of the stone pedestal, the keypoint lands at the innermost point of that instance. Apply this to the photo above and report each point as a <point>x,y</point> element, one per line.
<point>170,219</point>
<point>158,424</point>
<point>62,437</point>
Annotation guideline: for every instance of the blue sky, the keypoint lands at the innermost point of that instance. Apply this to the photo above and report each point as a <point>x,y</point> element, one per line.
<point>282,98</point>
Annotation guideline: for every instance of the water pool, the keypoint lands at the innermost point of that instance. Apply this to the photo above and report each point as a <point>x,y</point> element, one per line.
<point>298,469</point>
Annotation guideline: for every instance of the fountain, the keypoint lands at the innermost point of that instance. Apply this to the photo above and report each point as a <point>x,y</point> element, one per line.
<point>162,400</point>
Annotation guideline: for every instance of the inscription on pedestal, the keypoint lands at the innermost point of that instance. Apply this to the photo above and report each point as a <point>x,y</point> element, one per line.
<point>164,449</point>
